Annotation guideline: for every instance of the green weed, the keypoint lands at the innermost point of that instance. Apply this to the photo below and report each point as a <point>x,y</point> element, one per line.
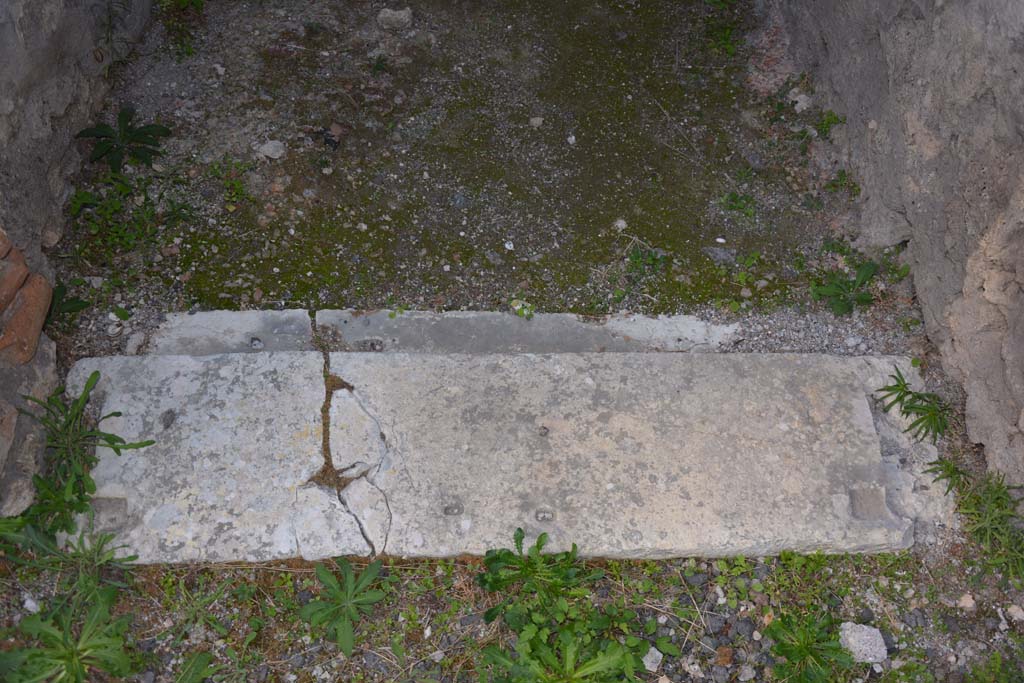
<point>346,601</point>
<point>810,647</point>
<point>929,414</point>
<point>71,446</point>
<point>827,120</point>
<point>522,308</point>
<point>560,634</point>
<point>843,293</point>
<point>127,142</point>
<point>63,307</point>
<point>843,181</point>
<point>990,508</point>
<point>740,203</point>
<point>70,645</point>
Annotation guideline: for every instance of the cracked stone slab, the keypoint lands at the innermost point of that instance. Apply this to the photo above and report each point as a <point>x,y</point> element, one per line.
<point>207,333</point>
<point>237,438</point>
<point>626,454</point>
<point>495,332</point>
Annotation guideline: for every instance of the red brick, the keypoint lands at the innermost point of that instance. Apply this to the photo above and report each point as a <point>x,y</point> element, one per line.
<point>22,323</point>
<point>13,273</point>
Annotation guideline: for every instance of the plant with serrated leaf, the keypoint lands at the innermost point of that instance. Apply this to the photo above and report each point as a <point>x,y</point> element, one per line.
<point>843,293</point>
<point>84,565</point>
<point>990,508</point>
<point>69,646</point>
<point>560,634</point>
<point>945,470</point>
<point>566,659</point>
<point>927,412</point>
<point>345,601</point>
<point>67,487</point>
<point>810,648</point>
<point>548,578</point>
<point>126,142</point>
<point>197,668</point>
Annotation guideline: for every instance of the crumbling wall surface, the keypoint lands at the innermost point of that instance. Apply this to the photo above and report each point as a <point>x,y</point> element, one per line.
<point>53,54</point>
<point>933,93</point>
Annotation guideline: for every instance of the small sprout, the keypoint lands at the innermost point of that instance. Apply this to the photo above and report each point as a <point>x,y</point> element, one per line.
<point>522,308</point>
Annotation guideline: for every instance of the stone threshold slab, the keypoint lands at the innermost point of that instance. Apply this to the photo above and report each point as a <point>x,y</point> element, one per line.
<point>497,332</point>
<point>628,455</point>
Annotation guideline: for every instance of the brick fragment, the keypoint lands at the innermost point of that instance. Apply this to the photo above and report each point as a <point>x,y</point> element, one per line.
<point>13,273</point>
<point>22,322</point>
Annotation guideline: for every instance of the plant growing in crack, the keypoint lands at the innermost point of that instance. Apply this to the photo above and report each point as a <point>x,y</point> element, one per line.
<point>346,601</point>
<point>929,414</point>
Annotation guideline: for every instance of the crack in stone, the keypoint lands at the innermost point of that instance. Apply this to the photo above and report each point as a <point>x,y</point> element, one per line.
<point>339,480</point>
<point>359,523</point>
<point>371,472</point>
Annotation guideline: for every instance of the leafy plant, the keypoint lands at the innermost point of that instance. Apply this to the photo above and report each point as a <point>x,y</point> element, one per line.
<point>741,203</point>
<point>194,608</point>
<point>843,293</point>
<point>843,181</point>
<point>826,121</point>
<point>85,565</point>
<point>929,414</point>
<point>126,142</point>
<point>67,487</point>
<point>991,514</point>
<point>119,213</point>
<point>346,601</point>
<point>522,308</point>
<point>562,661</point>
<point>944,469</point>
<point>62,306</point>
<point>231,174</point>
<point>560,635</point>
<point>723,39</point>
<point>810,647</point>
<point>66,651</point>
<point>997,669</point>
<point>197,668</point>
<point>549,577</point>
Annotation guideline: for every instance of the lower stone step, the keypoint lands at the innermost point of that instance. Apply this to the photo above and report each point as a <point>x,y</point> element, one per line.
<point>628,455</point>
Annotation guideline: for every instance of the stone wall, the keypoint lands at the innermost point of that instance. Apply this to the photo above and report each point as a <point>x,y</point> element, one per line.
<point>933,93</point>
<point>53,55</point>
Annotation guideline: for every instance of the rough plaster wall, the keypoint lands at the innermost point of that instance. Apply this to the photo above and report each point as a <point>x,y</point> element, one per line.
<point>933,93</point>
<point>52,57</point>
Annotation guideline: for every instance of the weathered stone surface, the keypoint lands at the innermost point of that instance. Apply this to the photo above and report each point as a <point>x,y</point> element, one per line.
<point>22,322</point>
<point>237,439</point>
<point>5,243</point>
<point>932,94</point>
<point>864,643</point>
<point>213,332</point>
<point>13,274</point>
<point>8,420</point>
<point>24,455</point>
<point>53,55</point>
<point>394,20</point>
<point>628,455</point>
<point>492,332</point>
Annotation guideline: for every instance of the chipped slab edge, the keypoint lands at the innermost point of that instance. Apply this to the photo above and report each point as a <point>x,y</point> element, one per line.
<point>498,332</point>
<point>206,333</point>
